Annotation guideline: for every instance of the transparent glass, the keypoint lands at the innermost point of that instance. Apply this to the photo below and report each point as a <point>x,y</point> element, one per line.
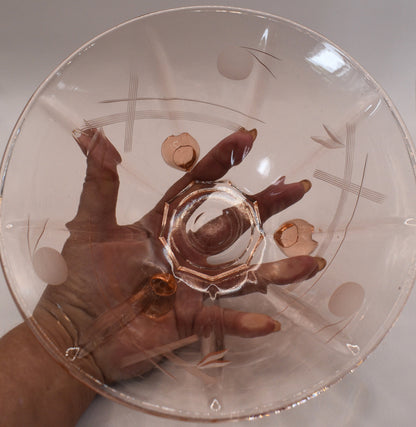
<point>165,88</point>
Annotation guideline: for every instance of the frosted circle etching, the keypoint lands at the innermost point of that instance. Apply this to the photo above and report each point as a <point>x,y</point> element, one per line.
<point>346,299</point>
<point>235,63</point>
<point>50,266</point>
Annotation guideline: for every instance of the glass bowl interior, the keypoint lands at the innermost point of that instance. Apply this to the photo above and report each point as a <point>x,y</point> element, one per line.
<point>203,73</point>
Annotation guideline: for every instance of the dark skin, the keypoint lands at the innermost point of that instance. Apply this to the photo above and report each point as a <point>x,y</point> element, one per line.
<point>109,263</point>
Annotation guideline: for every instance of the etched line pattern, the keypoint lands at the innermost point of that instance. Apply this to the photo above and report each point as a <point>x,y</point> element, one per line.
<point>348,167</point>
<point>332,141</point>
<point>262,64</point>
<point>261,51</point>
<point>131,111</point>
<point>111,101</point>
<point>251,51</point>
<point>367,193</point>
<point>165,115</point>
<point>345,230</point>
<point>332,135</point>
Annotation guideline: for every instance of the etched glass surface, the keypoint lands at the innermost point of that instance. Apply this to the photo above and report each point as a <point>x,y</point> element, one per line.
<point>245,285</point>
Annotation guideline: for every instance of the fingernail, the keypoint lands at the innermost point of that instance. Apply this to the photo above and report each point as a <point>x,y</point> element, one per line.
<point>76,133</point>
<point>307,185</point>
<point>254,321</point>
<point>277,326</point>
<point>321,263</point>
<point>252,132</point>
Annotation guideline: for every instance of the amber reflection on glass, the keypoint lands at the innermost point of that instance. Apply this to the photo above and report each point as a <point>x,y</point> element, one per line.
<point>295,238</point>
<point>180,151</point>
<point>163,284</point>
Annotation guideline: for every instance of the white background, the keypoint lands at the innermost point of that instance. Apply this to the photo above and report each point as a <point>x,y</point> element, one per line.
<point>36,35</point>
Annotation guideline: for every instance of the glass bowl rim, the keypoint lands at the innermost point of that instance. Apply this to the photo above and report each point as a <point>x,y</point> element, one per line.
<point>110,392</point>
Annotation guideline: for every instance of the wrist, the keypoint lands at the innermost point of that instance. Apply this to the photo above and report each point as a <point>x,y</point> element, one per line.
<point>60,336</point>
<point>36,390</point>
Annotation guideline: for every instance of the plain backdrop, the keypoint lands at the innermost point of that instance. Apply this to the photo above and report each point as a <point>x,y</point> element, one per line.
<point>36,35</point>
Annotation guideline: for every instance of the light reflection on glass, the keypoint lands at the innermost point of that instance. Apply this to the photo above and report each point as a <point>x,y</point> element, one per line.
<point>265,36</point>
<point>326,57</point>
<point>264,167</point>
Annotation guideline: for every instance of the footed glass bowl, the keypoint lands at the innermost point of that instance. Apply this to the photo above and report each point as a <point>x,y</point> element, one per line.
<point>144,307</point>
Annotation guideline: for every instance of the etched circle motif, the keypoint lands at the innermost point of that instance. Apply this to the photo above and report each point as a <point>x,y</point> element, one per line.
<point>235,63</point>
<point>50,266</point>
<point>346,299</point>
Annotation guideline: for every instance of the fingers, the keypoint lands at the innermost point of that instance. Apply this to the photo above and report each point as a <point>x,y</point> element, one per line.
<point>223,231</point>
<point>249,325</point>
<point>230,152</point>
<point>280,196</point>
<point>217,320</point>
<point>283,272</point>
<point>192,317</point>
<point>99,194</point>
<point>289,270</point>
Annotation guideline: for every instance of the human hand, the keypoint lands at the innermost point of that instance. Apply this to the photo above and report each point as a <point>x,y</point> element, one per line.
<point>120,298</point>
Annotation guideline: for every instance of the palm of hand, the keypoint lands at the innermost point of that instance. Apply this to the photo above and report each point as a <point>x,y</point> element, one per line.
<point>110,264</point>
